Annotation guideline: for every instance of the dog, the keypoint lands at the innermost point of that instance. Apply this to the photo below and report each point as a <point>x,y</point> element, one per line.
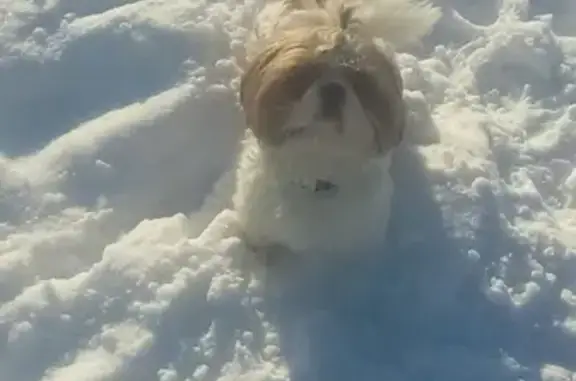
<point>322,98</point>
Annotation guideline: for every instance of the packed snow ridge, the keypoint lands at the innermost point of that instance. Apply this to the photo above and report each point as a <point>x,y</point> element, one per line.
<point>118,123</point>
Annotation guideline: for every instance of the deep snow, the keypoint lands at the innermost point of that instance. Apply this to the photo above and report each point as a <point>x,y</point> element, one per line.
<point>117,120</point>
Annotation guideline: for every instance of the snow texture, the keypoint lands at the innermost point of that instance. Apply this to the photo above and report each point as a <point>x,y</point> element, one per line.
<point>118,121</point>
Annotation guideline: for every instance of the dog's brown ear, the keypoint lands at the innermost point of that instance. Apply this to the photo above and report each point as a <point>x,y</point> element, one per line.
<point>302,4</point>
<point>382,104</point>
<point>275,80</point>
<point>250,83</point>
<point>346,14</point>
<point>293,4</point>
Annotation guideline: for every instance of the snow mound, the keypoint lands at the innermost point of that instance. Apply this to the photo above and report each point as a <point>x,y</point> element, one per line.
<point>119,260</point>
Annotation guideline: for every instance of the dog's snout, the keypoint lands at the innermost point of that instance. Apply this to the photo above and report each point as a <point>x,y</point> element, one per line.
<point>332,98</point>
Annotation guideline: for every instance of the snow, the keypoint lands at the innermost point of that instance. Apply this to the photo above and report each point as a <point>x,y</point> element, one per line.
<point>118,125</point>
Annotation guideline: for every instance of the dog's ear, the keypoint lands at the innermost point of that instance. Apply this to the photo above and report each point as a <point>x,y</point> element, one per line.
<point>293,4</point>
<point>346,14</point>
<point>250,83</point>
<point>304,4</point>
<point>274,81</point>
<point>381,99</point>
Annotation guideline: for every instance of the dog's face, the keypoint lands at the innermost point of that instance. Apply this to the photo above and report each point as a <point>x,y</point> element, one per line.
<point>320,87</point>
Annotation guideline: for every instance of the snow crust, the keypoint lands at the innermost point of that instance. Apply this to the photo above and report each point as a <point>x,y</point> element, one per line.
<point>118,123</point>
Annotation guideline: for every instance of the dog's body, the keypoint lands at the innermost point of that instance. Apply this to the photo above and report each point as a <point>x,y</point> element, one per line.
<point>278,201</point>
<point>323,103</point>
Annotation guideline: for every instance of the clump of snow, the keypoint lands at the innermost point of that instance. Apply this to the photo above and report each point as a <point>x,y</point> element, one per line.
<point>119,260</point>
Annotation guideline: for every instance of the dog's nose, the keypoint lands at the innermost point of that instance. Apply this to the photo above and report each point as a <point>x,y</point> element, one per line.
<point>332,98</point>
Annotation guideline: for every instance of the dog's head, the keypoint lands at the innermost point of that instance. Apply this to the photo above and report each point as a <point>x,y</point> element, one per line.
<point>319,78</point>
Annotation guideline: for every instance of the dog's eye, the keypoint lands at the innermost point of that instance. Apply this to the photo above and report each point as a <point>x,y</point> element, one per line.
<point>295,131</point>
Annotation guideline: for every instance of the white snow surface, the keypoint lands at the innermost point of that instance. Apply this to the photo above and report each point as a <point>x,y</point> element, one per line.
<point>118,121</point>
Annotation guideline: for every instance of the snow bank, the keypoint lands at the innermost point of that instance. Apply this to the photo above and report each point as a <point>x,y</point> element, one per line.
<point>117,121</point>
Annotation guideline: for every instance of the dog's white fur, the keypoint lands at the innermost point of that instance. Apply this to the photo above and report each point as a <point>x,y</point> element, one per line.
<point>298,47</point>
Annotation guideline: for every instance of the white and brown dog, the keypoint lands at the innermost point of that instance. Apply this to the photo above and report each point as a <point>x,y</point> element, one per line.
<point>322,96</point>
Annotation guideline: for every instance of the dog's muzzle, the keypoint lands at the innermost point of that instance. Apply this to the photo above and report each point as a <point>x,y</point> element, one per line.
<point>332,99</point>
<point>324,186</point>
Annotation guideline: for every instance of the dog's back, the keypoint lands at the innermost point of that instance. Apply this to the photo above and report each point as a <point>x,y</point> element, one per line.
<point>398,22</point>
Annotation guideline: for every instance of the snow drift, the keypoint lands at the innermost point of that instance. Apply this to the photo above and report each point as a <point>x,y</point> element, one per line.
<point>117,124</point>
